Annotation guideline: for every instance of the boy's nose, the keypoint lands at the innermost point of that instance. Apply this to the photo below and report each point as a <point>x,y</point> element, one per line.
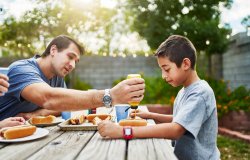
<point>164,76</point>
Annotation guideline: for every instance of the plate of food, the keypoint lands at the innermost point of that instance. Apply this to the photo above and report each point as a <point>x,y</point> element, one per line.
<point>84,123</point>
<point>21,133</point>
<point>43,121</point>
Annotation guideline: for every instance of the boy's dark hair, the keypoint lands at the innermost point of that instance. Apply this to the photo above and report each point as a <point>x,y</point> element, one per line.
<point>176,48</point>
<point>62,42</point>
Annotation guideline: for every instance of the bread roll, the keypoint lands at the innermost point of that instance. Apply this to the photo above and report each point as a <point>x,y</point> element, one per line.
<point>17,131</point>
<point>42,119</point>
<point>90,117</point>
<point>133,122</point>
<point>96,121</point>
<point>77,120</point>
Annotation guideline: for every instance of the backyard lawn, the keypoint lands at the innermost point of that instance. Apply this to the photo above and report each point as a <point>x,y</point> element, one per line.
<point>233,149</point>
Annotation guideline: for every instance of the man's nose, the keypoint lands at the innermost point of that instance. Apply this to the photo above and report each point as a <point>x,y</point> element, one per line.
<point>72,65</point>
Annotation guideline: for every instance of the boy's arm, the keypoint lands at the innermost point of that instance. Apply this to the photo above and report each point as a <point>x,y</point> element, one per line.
<point>160,118</point>
<point>165,130</point>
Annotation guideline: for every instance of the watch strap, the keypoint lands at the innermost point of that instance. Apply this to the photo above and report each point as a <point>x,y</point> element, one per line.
<point>107,93</point>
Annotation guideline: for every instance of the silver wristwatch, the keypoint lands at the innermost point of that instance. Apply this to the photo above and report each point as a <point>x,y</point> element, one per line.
<point>107,100</point>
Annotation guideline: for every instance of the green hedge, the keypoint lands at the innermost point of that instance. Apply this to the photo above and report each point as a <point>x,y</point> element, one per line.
<point>78,84</point>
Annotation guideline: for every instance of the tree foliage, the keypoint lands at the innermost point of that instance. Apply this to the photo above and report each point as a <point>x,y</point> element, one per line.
<point>199,20</point>
<point>246,21</point>
<point>51,18</point>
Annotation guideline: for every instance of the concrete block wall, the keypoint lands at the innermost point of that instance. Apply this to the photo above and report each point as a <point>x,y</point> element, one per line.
<point>236,61</point>
<point>100,72</point>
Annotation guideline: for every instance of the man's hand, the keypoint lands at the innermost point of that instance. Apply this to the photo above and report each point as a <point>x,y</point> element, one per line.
<point>128,90</point>
<point>108,129</point>
<point>12,121</point>
<point>3,84</point>
<point>26,116</point>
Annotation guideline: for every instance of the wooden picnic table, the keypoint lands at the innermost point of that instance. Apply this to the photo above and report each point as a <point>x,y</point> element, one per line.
<point>67,145</point>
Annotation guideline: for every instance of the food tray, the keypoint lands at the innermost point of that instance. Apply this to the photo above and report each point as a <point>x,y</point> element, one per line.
<point>86,126</point>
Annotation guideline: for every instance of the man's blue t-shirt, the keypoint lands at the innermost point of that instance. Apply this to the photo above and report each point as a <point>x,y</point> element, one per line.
<point>21,74</point>
<point>195,110</point>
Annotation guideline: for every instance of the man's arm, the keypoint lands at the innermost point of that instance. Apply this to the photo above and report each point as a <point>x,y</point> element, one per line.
<point>39,112</point>
<point>61,99</point>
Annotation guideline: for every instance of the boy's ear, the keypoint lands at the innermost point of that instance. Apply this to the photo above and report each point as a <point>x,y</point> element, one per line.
<point>186,63</point>
<point>53,50</point>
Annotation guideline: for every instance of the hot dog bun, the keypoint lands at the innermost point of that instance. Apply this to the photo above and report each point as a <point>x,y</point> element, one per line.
<point>96,121</point>
<point>77,120</point>
<point>42,119</point>
<point>17,131</point>
<point>90,117</point>
<point>133,122</point>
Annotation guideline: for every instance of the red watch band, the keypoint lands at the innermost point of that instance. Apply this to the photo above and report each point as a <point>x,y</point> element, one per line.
<point>127,133</point>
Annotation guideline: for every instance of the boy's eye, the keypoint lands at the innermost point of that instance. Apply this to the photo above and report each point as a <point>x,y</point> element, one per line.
<point>167,70</point>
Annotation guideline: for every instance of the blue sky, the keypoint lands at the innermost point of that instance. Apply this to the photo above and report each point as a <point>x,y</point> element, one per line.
<point>234,16</point>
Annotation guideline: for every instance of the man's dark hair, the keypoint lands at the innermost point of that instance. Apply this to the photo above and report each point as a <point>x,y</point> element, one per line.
<point>62,42</point>
<point>176,48</point>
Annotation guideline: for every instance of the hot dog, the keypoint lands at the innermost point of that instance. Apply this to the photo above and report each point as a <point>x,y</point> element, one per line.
<point>97,120</point>
<point>90,117</point>
<point>77,120</point>
<point>133,122</point>
<point>42,119</point>
<point>17,131</point>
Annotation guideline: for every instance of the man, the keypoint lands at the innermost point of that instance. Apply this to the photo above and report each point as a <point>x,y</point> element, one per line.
<point>36,84</point>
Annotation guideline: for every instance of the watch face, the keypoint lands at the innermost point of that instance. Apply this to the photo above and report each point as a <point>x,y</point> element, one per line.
<point>128,131</point>
<point>107,99</point>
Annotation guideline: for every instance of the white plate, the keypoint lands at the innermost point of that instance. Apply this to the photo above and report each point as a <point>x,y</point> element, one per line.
<point>40,132</point>
<point>56,121</point>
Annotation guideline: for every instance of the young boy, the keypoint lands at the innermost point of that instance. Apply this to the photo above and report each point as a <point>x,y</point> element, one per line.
<point>193,125</point>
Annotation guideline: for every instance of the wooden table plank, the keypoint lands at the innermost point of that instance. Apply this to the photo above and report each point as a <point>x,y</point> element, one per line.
<point>148,149</point>
<point>25,149</point>
<point>67,146</point>
<point>103,149</point>
<point>2,145</point>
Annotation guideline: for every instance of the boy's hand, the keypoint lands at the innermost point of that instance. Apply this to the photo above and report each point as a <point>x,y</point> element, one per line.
<point>140,113</point>
<point>108,129</point>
